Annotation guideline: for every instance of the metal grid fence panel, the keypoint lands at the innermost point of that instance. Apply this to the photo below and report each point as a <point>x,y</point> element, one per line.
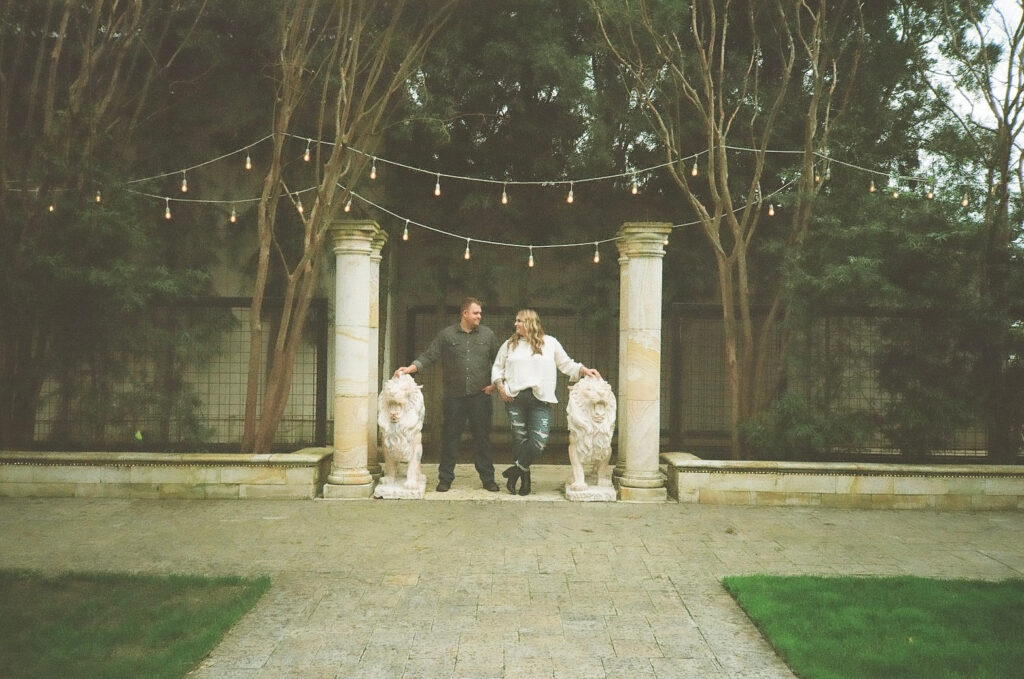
<point>197,403</point>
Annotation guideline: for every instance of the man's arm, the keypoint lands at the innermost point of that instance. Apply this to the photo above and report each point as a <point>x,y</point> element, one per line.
<point>432,353</point>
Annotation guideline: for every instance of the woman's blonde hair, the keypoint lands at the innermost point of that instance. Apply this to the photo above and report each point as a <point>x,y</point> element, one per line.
<point>532,329</point>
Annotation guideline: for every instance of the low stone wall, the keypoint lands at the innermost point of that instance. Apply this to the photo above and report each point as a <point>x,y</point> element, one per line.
<point>833,484</point>
<point>164,475</point>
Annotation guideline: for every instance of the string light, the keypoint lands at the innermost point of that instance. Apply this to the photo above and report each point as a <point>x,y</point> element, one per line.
<point>504,195</point>
<point>931,193</point>
<point>248,162</point>
<point>437,185</point>
<point>184,182</point>
<point>771,209</point>
<point>348,204</point>
<point>664,241</point>
<point>373,169</point>
<point>529,262</point>
<point>966,201</point>
<point>99,196</point>
<point>298,204</point>
<point>568,199</point>
<point>405,231</point>
<point>896,193</point>
<point>167,208</point>
<point>871,187</point>
<point>597,254</point>
<point>306,154</point>
<point>693,170</point>
<point>234,215</point>
<point>465,255</point>
<point>52,208</point>
<point>634,189</point>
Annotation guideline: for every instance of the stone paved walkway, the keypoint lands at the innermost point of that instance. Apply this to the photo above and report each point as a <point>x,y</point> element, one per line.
<point>473,585</point>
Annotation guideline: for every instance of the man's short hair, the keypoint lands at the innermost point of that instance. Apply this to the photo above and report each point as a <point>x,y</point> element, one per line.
<point>468,302</point>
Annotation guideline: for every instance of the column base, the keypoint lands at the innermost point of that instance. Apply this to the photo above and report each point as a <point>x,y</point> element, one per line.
<point>360,491</point>
<point>630,494</point>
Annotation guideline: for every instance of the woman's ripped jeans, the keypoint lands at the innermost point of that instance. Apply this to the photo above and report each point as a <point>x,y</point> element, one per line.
<point>530,420</point>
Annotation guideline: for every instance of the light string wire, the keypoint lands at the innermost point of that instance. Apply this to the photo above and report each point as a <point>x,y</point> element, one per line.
<point>530,246</point>
<point>633,174</point>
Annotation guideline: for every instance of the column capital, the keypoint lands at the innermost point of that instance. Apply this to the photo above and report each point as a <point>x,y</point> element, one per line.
<point>377,244</point>
<point>354,236</point>
<point>643,239</point>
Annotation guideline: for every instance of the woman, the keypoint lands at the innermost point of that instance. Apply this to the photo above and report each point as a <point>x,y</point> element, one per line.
<point>524,374</point>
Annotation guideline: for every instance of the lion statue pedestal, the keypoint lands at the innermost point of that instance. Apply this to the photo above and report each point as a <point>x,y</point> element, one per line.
<point>400,413</point>
<point>591,418</point>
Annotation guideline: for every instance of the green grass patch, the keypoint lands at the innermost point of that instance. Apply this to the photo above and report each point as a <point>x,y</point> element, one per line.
<point>858,628</point>
<point>114,625</point>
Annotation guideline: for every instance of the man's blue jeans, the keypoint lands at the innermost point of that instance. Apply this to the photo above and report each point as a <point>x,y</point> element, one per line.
<point>477,410</point>
<point>530,420</point>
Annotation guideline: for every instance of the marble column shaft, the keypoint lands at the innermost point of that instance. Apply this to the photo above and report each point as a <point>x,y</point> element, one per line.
<point>373,356</point>
<point>641,253</point>
<point>353,249</point>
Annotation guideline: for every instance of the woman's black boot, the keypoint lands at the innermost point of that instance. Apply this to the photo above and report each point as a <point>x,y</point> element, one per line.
<point>513,474</point>
<point>525,488</point>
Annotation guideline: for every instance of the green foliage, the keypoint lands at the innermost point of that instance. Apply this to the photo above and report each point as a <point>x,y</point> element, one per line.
<point>109,625</point>
<point>839,628</point>
<point>795,429</point>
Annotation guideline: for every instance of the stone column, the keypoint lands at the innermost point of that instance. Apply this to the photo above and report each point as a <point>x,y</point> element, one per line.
<point>641,252</point>
<point>373,459</point>
<point>353,248</point>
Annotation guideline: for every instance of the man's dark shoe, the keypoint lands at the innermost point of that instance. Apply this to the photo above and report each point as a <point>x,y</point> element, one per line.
<point>443,486</point>
<point>491,486</point>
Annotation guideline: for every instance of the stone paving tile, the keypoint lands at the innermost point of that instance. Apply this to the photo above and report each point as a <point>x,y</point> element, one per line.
<point>481,589</point>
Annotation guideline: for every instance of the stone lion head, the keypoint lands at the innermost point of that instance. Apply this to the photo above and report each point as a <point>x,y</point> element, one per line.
<point>591,417</point>
<point>400,404</point>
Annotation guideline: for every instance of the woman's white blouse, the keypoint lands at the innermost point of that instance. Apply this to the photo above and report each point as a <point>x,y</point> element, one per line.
<point>521,369</point>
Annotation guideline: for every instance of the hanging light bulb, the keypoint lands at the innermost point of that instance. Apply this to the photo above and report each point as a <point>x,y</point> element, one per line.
<point>405,231</point>
<point>931,193</point>
<point>52,208</point>
<point>597,255</point>
<point>693,170</point>
<point>167,208</point>
<point>634,189</point>
<point>828,173</point>
<point>248,162</point>
<point>373,169</point>
<point>298,204</point>
<point>99,196</point>
<point>871,187</point>
<point>896,193</point>
<point>771,209</point>
<point>437,185</point>
<point>664,241</point>
<point>184,182</point>
<point>234,215</point>
<point>306,154</point>
<point>348,204</point>
<point>966,201</point>
<point>504,195</point>
<point>465,255</point>
<point>570,198</point>
<point>817,178</point>
<point>529,262</point>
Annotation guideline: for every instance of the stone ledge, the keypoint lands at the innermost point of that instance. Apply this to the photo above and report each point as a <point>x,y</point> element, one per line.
<point>838,484</point>
<point>298,475</point>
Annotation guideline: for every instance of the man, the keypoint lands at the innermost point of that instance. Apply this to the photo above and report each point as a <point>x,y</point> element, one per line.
<point>466,350</point>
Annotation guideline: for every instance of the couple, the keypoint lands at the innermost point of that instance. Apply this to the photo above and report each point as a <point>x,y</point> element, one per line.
<point>522,370</point>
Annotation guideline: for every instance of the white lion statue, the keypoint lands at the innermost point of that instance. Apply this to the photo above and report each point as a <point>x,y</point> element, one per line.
<point>591,418</point>
<point>400,413</point>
